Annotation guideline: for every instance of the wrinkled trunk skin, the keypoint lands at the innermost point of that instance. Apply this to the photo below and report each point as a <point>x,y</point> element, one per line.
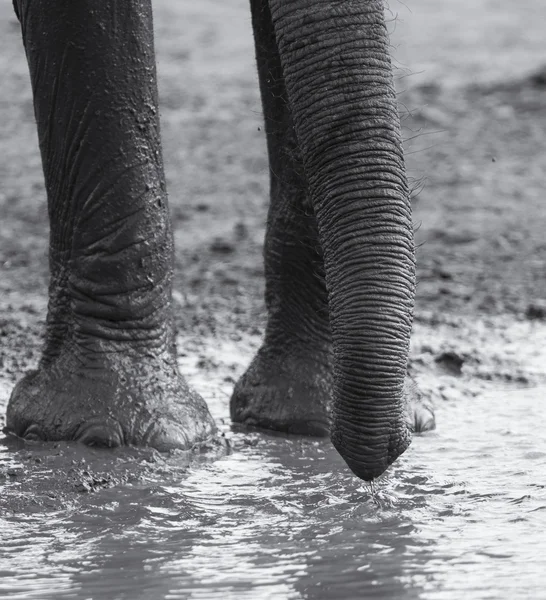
<point>338,76</point>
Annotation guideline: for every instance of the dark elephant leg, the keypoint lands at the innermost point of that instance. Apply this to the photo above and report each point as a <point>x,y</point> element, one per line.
<point>108,375</point>
<point>288,386</point>
<point>340,160</point>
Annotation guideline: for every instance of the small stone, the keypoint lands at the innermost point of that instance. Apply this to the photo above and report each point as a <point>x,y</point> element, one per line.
<point>451,363</point>
<point>536,310</point>
<point>82,487</point>
<point>442,273</point>
<point>241,231</point>
<point>220,246</point>
<point>538,78</point>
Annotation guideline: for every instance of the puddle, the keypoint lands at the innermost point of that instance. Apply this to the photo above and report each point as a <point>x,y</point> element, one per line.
<point>461,515</point>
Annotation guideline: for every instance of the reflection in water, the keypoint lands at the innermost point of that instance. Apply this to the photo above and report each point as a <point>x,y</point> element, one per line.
<point>462,515</point>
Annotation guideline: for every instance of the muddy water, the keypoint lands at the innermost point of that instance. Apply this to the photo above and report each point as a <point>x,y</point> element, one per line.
<point>461,515</point>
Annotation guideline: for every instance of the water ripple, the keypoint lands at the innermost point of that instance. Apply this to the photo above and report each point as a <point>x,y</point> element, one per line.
<point>462,514</point>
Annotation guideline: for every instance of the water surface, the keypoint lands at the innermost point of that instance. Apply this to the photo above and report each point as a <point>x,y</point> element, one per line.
<point>461,515</point>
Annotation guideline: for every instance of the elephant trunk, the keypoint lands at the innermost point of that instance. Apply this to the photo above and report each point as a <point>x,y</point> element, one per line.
<point>339,81</point>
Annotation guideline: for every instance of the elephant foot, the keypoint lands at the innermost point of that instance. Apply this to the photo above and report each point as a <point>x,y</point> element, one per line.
<point>294,395</point>
<point>419,411</point>
<point>137,401</point>
<point>290,395</point>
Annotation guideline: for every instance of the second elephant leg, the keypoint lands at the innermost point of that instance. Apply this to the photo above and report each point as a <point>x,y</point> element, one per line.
<point>288,385</point>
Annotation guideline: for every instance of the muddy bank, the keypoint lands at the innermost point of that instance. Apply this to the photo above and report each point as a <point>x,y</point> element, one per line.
<point>454,359</point>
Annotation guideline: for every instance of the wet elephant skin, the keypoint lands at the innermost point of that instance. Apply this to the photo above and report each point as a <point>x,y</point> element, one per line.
<point>339,253</point>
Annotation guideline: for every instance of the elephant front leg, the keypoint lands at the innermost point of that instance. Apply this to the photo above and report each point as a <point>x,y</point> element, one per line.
<point>108,374</point>
<point>289,383</point>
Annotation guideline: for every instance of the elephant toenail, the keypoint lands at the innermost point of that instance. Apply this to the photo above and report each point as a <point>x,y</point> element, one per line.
<point>101,436</point>
<point>33,434</point>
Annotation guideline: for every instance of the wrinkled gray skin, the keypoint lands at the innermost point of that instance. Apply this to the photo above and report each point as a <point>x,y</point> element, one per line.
<point>339,251</point>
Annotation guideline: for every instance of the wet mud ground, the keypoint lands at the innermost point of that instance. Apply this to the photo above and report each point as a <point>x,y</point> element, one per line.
<point>472,93</point>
